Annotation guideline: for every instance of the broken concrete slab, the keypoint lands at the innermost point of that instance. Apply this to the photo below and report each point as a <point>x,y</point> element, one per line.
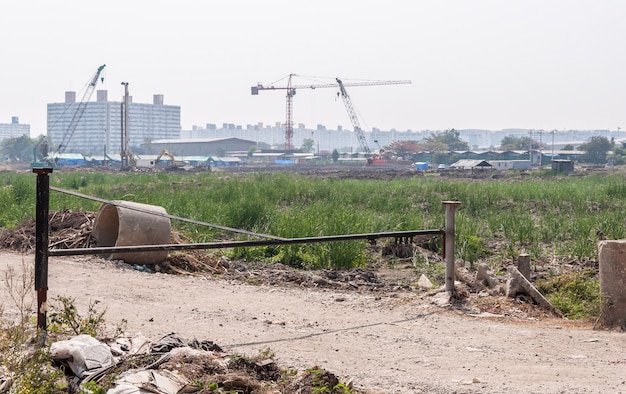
<point>519,284</point>
<point>424,282</point>
<point>486,277</point>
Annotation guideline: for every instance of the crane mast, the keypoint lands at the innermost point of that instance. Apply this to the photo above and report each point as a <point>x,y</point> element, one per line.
<point>291,91</point>
<point>289,121</point>
<point>353,118</point>
<point>80,109</point>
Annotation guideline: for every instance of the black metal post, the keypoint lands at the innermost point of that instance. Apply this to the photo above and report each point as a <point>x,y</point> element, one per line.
<point>41,247</point>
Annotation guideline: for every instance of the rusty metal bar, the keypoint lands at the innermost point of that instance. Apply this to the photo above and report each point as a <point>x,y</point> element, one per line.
<point>42,210</point>
<point>237,244</point>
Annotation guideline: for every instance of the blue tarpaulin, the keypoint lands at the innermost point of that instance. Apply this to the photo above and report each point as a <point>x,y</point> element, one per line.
<point>422,166</point>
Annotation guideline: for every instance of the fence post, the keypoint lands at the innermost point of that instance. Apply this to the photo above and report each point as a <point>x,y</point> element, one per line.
<point>450,207</point>
<point>41,248</point>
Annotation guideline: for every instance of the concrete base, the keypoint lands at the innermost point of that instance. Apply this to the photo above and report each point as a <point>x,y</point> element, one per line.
<point>612,258</point>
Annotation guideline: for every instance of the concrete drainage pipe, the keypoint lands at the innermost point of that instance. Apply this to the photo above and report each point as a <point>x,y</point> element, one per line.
<point>121,226</point>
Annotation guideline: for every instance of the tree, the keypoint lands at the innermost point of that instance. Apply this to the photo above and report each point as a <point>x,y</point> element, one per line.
<point>307,145</point>
<point>618,156</point>
<point>431,145</point>
<point>335,155</point>
<point>596,149</point>
<point>18,148</point>
<point>404,149</point>
<point>450,139</point>
<point>511,142</point>
<point>251,151</point>
<point>568,147</point>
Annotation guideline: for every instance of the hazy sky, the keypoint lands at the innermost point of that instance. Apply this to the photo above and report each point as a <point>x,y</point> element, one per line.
<point>490,64</point>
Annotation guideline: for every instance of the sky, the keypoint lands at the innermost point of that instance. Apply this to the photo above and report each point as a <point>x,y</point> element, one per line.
<point>473,64</point>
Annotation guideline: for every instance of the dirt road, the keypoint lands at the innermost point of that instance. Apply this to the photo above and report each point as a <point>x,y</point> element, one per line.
<point>391,343</point>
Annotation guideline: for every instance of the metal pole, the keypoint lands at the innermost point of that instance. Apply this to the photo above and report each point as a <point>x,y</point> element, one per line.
<point>41,247</point>
<point>124,144</point>
<point>122,135</point>
<point>553,144</point>
<point>541,149</point>
<point>450,207</point>
<point>530,149</point>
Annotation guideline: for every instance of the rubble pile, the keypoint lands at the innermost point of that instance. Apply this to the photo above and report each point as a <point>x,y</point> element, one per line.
<point>130,365</point>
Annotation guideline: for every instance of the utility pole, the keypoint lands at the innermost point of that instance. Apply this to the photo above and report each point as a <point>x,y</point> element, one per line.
<point>540,149</point>
<point>124,136</point>
<point>553,131</point>
<point>530,148</point>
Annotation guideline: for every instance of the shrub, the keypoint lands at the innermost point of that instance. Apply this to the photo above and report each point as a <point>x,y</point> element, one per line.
<point>576,295</point>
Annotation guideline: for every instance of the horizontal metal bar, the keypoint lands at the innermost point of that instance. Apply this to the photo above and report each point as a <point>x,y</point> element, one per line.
<point>237,244</point>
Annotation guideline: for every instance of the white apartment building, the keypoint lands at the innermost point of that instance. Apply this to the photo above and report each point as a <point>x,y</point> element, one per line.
<point>13,129</point>
<point>324,140</point>
<point>99,129</point>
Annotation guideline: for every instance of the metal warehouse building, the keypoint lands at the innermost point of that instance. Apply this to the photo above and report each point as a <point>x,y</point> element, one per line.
<point>199,146</point>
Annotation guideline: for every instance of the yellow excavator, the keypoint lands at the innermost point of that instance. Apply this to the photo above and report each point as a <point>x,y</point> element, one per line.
<point>173,165</point>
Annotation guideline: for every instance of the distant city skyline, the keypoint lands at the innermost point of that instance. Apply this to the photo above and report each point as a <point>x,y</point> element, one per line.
<point>324,137</point>
<point>346,139</point>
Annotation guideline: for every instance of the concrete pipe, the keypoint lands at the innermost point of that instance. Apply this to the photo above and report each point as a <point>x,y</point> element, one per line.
<point>121,226</point>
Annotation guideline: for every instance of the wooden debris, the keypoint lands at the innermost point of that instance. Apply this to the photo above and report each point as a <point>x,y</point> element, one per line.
<point>68,230</point>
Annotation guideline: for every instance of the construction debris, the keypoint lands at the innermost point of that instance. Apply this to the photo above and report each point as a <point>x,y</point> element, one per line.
<point>175,365</point>
<point>82,353</point>
<point>519,284</point>
<point>68,230</point>
<point>73,229</point>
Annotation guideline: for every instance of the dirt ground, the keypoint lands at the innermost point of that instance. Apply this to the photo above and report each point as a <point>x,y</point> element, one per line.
<point>387,340</point>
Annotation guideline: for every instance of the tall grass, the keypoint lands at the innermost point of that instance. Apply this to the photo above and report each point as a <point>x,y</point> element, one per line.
<point>555,214</point>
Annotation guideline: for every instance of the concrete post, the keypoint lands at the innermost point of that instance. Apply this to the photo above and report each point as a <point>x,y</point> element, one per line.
<point>612,258</point>
<point>450,208</point>
<point>523,265</point>
<point>41,247</point>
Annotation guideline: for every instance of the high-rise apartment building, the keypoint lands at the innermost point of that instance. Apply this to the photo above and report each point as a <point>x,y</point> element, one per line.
<point>13,129</point>
<point>99,129</point>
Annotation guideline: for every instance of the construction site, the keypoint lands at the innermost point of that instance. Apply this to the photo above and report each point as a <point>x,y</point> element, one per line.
<point>75,139</point>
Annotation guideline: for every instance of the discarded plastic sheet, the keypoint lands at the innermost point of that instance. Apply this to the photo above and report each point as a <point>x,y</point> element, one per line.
<point>158,382</point>
<point>82,353</point>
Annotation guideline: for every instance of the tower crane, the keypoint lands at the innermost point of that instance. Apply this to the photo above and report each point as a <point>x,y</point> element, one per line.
<point>80,110</point>
<point>291,91</point>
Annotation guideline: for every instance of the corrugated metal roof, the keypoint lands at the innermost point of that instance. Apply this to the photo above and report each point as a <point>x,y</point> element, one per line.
<point>197,140</point>
<point>66,156</point>
<point>227,159</point>
<point>466,163</point>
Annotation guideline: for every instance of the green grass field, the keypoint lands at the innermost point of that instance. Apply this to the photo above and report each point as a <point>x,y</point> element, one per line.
<point>544,215</point>
<point>550,217</point>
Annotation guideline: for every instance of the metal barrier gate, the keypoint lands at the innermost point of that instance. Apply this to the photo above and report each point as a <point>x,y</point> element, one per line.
<point>42,250</point>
